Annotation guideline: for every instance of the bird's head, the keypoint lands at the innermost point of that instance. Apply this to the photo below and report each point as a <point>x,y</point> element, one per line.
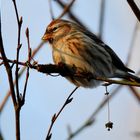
<point>56,29</point>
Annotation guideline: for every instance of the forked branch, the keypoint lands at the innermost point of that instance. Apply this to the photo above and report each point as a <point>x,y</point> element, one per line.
<point>56,115</point>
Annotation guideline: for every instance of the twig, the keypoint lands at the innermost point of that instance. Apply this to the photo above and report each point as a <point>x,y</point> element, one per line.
<point>51,10</point>
<point>132,43</point>
<point>15,62</point>
<point>135,93</point>
<point>71,15</point>
<point>19,22</point>
<point>63,70</point>
<point>132,89</point>
<point>19,75</point>
<point>66,8</point>
<point>10,78</point>
<point>29,59</point>
<point>8,69</point>
<point>134,8</point>
<point>55,116</point>
<point>101,22</point>
<point>91,119</point>
<point>19,98</point>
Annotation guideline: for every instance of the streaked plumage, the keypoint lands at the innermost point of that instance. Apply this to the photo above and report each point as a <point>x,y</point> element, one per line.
<point>79,48</point>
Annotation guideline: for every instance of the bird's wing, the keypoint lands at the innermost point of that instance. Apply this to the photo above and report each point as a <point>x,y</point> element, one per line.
<point>115,59</point>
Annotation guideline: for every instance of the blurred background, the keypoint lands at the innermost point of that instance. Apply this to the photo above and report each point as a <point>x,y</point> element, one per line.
<point>45,94</point>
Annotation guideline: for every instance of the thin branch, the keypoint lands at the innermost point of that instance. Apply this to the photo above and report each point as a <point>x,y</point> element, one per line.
<point>51,10</point>
<point>92,118</point>
<point>4,100</point>
<point>55,116</point>
<point>132,43</point>
<point>135,93</point>
<point>132,89</point>
<point>71,15</point>
<point>35,51</point>
<point>19,98</point>
<point>15,62</point>
<point>64,70</point>
<point>134,8</point>
<point>66,8</point>
<point>10,78</point>
<point>102,16</point>
<point>8,69</point>
<point>16,11</point>
<point>19,22</point>
<point>29,59</point>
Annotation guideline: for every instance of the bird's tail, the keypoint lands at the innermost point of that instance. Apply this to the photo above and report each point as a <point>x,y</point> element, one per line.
<point>129,77</point>
<point>132,77</point>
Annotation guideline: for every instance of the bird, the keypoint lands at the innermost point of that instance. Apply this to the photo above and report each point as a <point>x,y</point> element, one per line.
<point>83,52</point>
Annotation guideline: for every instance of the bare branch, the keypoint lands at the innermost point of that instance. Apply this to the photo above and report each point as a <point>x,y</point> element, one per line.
<point>92,118</point>
<point>64,70</point>
<point>135,93</point>
<point>55,116</point>
<point>8,69</point>
<point>35,51</point>
<point>29,59</point>
<point>19,98</point>
<point>19,22</point>
<point>134,8</point>
<point>71,15</point>
<point>132,89</point>
<point>51,10</point>
<point>67,8</point>
<point>101,22</point>
<point>132,43</point>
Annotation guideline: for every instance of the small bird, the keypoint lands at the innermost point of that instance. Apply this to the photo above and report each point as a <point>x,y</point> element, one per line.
<point>83,51</point>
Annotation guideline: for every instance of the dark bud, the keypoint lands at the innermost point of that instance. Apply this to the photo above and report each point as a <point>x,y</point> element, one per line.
<point>20,20</point>
<point>54,117</point>
<point>27,32</point>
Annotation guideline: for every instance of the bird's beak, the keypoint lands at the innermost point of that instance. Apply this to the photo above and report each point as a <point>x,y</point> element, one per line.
<point>46,36</point>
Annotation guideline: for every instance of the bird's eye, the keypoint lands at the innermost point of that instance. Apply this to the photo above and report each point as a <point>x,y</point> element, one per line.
<point>54,29</point>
